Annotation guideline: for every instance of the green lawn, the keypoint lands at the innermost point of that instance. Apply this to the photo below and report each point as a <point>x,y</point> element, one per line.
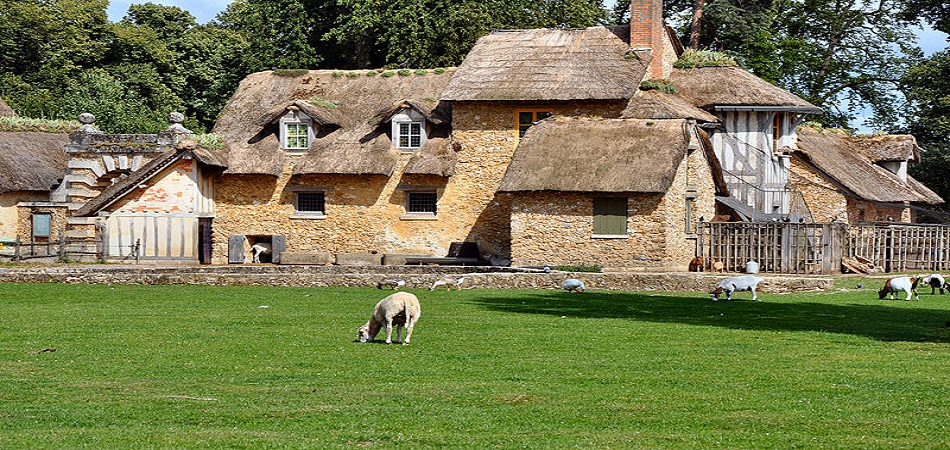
<point>211,367</point>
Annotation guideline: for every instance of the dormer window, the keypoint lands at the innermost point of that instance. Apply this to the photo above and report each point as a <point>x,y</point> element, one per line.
<point>296,131</point>
<point>408,130</point>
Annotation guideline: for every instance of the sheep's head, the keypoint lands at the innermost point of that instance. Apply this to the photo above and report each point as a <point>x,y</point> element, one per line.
<point>364,335</point>
<point>715,293</point>
<point>882,293</point>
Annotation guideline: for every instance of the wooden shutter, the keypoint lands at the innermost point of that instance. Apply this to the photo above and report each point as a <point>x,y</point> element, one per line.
<point>278,245</point>
<point>236,249</point>
<point>610,216</point>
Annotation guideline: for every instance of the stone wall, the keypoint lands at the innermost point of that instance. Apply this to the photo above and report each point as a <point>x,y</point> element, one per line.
<point>555,228</point>
<point>416,277</point>
<point>825,202</point>
<point>367,213</point>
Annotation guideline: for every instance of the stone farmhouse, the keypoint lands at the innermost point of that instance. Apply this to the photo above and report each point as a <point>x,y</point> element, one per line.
<point>544,147</point>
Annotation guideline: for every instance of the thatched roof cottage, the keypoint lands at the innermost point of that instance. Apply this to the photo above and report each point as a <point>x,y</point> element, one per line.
<point>858,178</point>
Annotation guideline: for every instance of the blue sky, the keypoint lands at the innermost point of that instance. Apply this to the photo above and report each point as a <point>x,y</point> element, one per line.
<point>205,10</point>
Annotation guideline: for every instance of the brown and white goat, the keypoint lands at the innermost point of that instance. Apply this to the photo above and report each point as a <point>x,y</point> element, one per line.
<point>400,309</point>
<point>898,284</point>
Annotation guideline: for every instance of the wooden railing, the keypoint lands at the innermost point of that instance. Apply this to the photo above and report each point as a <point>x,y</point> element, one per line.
<point>62,249</point>
<point>775,247</point>
<point>901,247</point>
<point>818,248</point>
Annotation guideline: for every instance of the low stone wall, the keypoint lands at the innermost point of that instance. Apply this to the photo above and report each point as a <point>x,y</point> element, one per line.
<point>415,276</point>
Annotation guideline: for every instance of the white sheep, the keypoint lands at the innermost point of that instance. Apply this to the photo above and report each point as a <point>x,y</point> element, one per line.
<point>573,284</point>
<point>897,284</point>
<point>448,281</point>
<point>735,284</point>
<point>935,281</point>
<point>400,309</point>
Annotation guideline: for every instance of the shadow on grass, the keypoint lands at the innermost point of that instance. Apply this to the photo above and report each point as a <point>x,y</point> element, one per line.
<point>884,322</point>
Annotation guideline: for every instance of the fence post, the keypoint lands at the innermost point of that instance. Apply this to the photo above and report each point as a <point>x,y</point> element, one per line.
<point>16,249</point>
<point>62,248</point>
<point>786,248</point>
<point>888,249</point>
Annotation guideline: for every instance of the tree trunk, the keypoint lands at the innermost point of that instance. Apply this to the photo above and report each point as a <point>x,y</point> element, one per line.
<point>696,25</point>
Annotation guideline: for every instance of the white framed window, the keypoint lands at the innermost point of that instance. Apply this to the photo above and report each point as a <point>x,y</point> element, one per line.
<point>296,131</point>
<point>409,132</point>
<point>310,204</point>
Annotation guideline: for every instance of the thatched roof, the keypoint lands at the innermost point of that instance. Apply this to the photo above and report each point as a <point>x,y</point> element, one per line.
<point>889,147</point>
<point>654,104</point>
<point>710,87</point>
<point>355,148</point>
<point>32,161</point>
<point>436,157</point>
<point>598,155</point>
<point>322,115</point>
<point>435,112</point>
<point>839,158</point>
<point>154,167</point>
<point>6,110</point>
<point>549,64</point>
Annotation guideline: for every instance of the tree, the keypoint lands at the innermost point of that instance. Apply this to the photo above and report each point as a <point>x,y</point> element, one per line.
<point>927,88</point>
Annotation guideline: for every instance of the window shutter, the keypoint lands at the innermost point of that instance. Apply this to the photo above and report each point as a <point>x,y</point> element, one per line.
<point>278,243</point>
<point>236,249</point>
<point>610,216</point>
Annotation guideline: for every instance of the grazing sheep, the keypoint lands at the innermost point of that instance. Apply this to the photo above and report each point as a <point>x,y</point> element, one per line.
<point>448,281</point>
<point>897,284</point>
<point>735,284</point>
<point>258,249</point>
<point>935,281</point>
<point>697,264</point>
<point>400,309</point>
<point>392,283</point>
<point>573,284</point>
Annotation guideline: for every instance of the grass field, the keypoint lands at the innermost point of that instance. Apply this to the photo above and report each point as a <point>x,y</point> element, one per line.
<point>212,367</point>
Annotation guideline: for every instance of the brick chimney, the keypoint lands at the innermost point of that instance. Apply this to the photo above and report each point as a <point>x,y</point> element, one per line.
<point>647,32</point>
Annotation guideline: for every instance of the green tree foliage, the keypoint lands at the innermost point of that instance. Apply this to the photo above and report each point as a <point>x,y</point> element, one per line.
<point>842,55</point>
<point>927,88</point>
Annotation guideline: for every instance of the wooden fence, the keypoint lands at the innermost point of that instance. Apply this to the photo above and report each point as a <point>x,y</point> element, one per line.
<point>776,247</point>
<point>62,249</point>
<point>818,248</point>
<point>900,247</point>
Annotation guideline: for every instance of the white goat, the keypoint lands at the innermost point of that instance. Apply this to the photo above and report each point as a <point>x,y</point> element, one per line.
<point>448,281</point>
<point>258,249</point>
<point>573,284</point>
<point>935,282</point>
<point>897,284</point>
<point>400,309</point>
<point>735,284</point>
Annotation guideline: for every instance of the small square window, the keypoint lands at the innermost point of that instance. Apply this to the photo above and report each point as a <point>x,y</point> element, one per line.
<point>610,217</point>
<point>312,203</point>
<point>409,135</point>
<point>421,202</point>
<point>296,136</point>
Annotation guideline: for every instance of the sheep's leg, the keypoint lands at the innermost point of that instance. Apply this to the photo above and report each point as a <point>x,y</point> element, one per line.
<point>399,333</point>
<point>389,331</point>
<point>409,327</point>
<point>754,297</point>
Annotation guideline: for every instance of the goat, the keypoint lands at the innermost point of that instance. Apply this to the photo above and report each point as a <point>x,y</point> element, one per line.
<point>448,281</point>
<point>400,309</point>
<point>935,282</point>
<point>734,284</point>
<point>697,264</point>
<point>393,283</point>
<point>894,285</point>
<point>573,284</point>
<point>258,249</point>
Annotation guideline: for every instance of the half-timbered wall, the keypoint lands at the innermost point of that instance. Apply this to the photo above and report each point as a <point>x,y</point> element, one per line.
<point>757,174</point>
